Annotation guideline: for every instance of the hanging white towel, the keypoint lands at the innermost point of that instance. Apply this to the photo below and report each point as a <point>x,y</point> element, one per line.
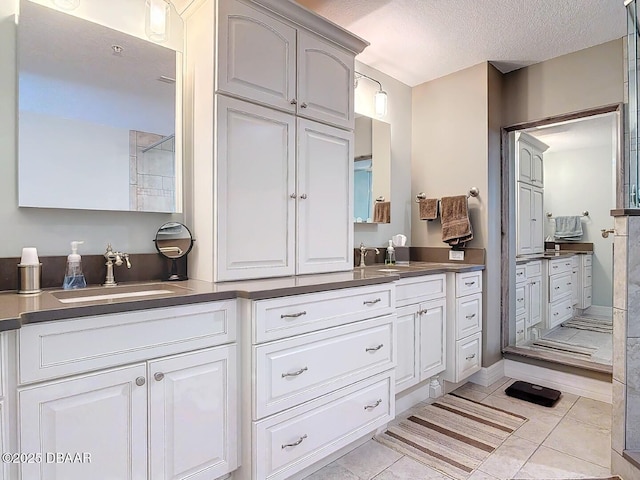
<point>568,228</point>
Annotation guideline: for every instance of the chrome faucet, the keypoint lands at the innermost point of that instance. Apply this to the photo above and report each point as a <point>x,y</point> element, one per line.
<point>114,258</point>
<point>363,253</point>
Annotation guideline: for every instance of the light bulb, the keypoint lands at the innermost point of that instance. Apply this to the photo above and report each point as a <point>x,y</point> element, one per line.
<point>157,20</point>
<point>380,100</point>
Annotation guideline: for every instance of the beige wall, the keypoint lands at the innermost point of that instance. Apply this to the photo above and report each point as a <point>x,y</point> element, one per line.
<point>577,81</point>
<point>51,230</point>
<point>399,117</point>
<point>449,149</point>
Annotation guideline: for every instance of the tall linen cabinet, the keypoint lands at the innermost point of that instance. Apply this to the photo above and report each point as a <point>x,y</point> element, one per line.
<point>269,101</point>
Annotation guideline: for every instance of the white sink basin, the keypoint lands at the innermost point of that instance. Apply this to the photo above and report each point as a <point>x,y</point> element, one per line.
<point>115,293</point>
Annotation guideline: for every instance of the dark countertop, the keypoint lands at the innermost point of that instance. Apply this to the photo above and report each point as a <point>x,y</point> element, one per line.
<point>551,255</point>
<point>17,310</point>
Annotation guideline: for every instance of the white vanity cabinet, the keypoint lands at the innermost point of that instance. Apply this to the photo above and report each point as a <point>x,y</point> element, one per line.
<point>584,275</point>
<point>559,287</point>
<point>148,395</point>
<point>464,325</point>
<point>269,89</point>
<point>421,327</point>
<point>268,59</point>
<point>528,299</point>
<point>318,374</point>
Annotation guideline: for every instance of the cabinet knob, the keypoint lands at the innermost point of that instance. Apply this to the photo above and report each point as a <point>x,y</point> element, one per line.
<point>293,195</point>
<point>303,196</point>
<point>303,105</point>
<point>293,102</point>
<point>159,376</point>
<point>140,381</point>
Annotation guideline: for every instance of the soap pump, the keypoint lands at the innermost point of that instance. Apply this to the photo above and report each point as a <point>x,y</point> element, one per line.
<point>390,258</point>
<point>74,278</point>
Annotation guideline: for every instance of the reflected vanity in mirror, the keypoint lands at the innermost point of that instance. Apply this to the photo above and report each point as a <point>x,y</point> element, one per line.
<point>173,241</point>
<point>97,116</point>
<point>372,171</point>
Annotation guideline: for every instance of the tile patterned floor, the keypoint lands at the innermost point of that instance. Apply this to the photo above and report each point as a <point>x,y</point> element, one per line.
<point>570,440</point>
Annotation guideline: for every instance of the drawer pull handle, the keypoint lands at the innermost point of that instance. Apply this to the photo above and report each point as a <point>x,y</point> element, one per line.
<point>555,314</point>
<point>303,105</point>
<point>371,407</point>
<point>372,302</point>
<point>556,288</point>
<point>293,102</point>
<point>468,284</point>
<point>374,349</point>
<point>470,316</point>
<point>293,315</point>
<point>569,283</point>
<point>589,296</point>
<point>471,357</point>
<point>140,381</point>
<point>521,299</point>
<point>555,266</point>
<point>568,308</point>
<point>296,373</point>
<point>159,376</point>
<point>520,332</point>
<point>296,443</point>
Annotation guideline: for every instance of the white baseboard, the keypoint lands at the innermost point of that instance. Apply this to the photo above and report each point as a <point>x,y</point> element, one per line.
<point>407,399</point>
<point>563,381</point>
<point>599,310</point>
<point>488,375</point>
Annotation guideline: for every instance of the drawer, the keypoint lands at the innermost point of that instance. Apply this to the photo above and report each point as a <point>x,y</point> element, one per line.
<point>292,371</point>
<point>469,282</point>
<point>560,265</point>
<point>521,330</point>
<point>521,274</point>
<point>65,347</point>
<point>468,356</point>
<point>468,315</point>
<point>282,317</point>
<point>586,276</point>
<point>287,443</point>
<point>420,289</point>
<point>560,286</point>
<point>560,312</point>
<point>586,297</point>
<point>587,260</point>
<point>521,299</point>
<point>533,269</point>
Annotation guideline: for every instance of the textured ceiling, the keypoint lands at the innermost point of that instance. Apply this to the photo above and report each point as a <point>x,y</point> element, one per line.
<point>416,41</point>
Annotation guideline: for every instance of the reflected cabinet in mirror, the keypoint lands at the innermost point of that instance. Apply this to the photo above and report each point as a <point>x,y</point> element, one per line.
<point>372,175</point>
<point>97,116</point>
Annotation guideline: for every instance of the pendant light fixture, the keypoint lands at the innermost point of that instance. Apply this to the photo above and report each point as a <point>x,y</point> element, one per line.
<point>379,99</point>
<point>156,22</point>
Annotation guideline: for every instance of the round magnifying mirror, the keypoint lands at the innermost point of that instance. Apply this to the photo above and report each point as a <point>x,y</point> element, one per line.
<point>173,240</point>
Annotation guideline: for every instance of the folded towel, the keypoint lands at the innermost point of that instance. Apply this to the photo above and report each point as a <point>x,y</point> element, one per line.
<point>428,208</point>
<point>568,228</point>
<point>456,226</point>
<point>382,212</point>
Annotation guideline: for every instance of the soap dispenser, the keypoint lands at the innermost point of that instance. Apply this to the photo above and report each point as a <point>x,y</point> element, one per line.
<point>390,259</point>
<point>74,278</point>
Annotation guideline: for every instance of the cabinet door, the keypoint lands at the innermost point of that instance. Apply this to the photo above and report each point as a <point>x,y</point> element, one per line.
<point>574,286</point>
<point>325,81</point>
<point>535,302</point>
<point>432,338</point>
<point>524,223</point>
<point>525,162</point>
<point>537,169</point>
<point>325,198</point>
<point>101,416</point>
<point>537,221</point>
<point>256,56</point>
<point>193,415</point>
<point>255,211</point>
<point>521,300</point>
<point>408,359</point>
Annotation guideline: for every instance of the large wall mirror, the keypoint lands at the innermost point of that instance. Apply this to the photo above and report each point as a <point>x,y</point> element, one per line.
<point>372,176</point>
<point>97,126</point>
